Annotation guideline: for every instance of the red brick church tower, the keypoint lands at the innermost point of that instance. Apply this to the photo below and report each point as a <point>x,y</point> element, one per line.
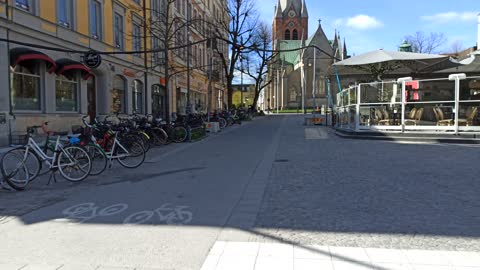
<point>291,20</point>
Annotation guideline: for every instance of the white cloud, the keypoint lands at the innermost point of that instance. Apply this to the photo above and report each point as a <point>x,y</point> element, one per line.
<point>451,16</point>
<point>361,22</point>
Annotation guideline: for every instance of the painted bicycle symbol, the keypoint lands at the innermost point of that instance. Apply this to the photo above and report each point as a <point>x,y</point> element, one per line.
<point>167,213</point>
<point>87,211</point>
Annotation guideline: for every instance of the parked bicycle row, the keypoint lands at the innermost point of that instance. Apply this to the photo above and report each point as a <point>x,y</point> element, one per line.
<point>91,148</point>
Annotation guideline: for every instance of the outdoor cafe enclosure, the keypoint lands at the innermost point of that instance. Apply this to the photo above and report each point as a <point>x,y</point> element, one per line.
<point>449,105</point>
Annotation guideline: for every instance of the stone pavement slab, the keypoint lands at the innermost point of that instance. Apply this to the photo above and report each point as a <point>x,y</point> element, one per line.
<point>260,256</point>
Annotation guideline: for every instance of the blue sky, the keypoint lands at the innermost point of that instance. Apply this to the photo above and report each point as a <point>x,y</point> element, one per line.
<point>375,24</point>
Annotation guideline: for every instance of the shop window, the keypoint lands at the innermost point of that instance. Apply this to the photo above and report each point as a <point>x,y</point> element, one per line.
<point>66,94</point>
<point>137,97</point>
<point>118,95</point>
<point>26,94</point>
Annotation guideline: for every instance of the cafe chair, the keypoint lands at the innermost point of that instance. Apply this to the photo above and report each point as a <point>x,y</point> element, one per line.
<point>441,121</point>
<point>469,121</point>
<point>417,116</point>
<point>385,119</point>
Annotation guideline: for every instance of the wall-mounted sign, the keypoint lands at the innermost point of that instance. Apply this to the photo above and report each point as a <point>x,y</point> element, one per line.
<point>128,73</point>
<point>92,59</point>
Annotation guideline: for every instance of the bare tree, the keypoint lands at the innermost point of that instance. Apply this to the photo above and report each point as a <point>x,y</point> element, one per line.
<point>259,59</point>
<point>422,43</point>
<point>239,27</point>
<point>456,47</point>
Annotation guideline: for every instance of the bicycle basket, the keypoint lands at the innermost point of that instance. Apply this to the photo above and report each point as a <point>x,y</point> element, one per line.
<point>18,139</point>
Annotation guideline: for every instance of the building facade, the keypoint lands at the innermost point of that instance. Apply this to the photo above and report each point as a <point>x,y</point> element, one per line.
<point>300,76</point>
<point>42,61</point>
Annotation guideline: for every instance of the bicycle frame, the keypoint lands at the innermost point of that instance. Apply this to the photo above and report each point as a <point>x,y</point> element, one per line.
<point>110,154</point>
<point>49,160</point>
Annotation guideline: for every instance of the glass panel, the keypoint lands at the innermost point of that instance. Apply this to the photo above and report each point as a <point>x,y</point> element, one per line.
<point>118,95</point>
<point>469,115</point>
<point>430,114</point>
<point>23,4</point>
<point>137,97</point>
<point>426,91</point>
<point>470,89</point>
<point>66,94</point>
<point>385,92</point>
<point>118,31</point>
<point>352,96</point>
<point>25,92</point>
<point>95,19</point>
<point>381,115</point>
<point>63,12</point>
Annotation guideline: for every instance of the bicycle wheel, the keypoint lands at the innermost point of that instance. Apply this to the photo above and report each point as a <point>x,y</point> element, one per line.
<point>98,157</point>
<point>74,163</point>
<point>222,122</point>
<point>14,170</point>
<point>161,137</point>
<point>130,154</point>
<point>32,161</point>
<point>179,134</point>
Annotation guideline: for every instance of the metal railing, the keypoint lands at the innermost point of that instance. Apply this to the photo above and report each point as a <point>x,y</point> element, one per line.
<point>449,105</point>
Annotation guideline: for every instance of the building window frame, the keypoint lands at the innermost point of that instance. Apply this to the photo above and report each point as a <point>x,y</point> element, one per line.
<point>119,29</point>
<point>34,75</point>
<point>66,13</point>
<point>137,97</point>
<point>96,22</point>
<point>74,92</point>
<point>136,37</point>
<point>119,90</point>
<point>26,5</point>
<point>294,34</point>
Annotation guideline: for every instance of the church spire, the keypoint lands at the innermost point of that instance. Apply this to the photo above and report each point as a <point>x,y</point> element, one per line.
<point>345,54</point>
<point>304,10</point>
<point>278,10</point>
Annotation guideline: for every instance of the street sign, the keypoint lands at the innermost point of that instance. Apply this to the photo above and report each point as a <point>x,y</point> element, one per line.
<point>92,59</point>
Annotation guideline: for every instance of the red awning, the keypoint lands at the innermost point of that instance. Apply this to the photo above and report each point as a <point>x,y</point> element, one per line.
<point>64,66</point>
<point>22,55</point>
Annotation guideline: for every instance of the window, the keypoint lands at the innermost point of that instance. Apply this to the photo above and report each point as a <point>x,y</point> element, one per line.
<point>137,96</point>
<point>95,19</point>
<point>155,7</point>
<point>64,13</point>
<point>287,34</point>
<point>295,35</point>
<point>118,95</point>
<point>137,39</point>
<point>26,88</point>
<point>26,5</point>
<point>118,27</point>
<point>158,56</point>
<point>66,94</point>
<point>137,1</point>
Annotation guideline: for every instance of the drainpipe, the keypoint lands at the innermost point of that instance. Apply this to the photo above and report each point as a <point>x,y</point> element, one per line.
<point>145,60</point>
<point>403,81</point>
<point>10,104</point>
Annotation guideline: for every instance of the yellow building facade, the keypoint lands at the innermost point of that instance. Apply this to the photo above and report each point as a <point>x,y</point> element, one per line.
<point>43,61</point>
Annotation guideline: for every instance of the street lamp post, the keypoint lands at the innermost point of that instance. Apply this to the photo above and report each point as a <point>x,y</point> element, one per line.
<point>241,80</point>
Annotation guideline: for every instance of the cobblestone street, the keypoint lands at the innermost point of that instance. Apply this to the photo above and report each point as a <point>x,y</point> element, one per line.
<point>270,194</point>
<point>361,193</point>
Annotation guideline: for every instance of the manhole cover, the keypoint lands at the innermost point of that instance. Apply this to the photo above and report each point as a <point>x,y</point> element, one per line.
<point>281,160</point>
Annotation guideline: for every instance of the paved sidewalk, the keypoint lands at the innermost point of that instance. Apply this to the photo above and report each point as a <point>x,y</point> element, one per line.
<point>276,256</point>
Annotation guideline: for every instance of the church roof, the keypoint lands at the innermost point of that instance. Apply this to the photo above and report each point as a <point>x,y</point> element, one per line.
<point>290,57</point>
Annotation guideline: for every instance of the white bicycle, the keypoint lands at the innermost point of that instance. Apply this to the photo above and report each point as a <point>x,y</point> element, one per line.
<point>22,165</point>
